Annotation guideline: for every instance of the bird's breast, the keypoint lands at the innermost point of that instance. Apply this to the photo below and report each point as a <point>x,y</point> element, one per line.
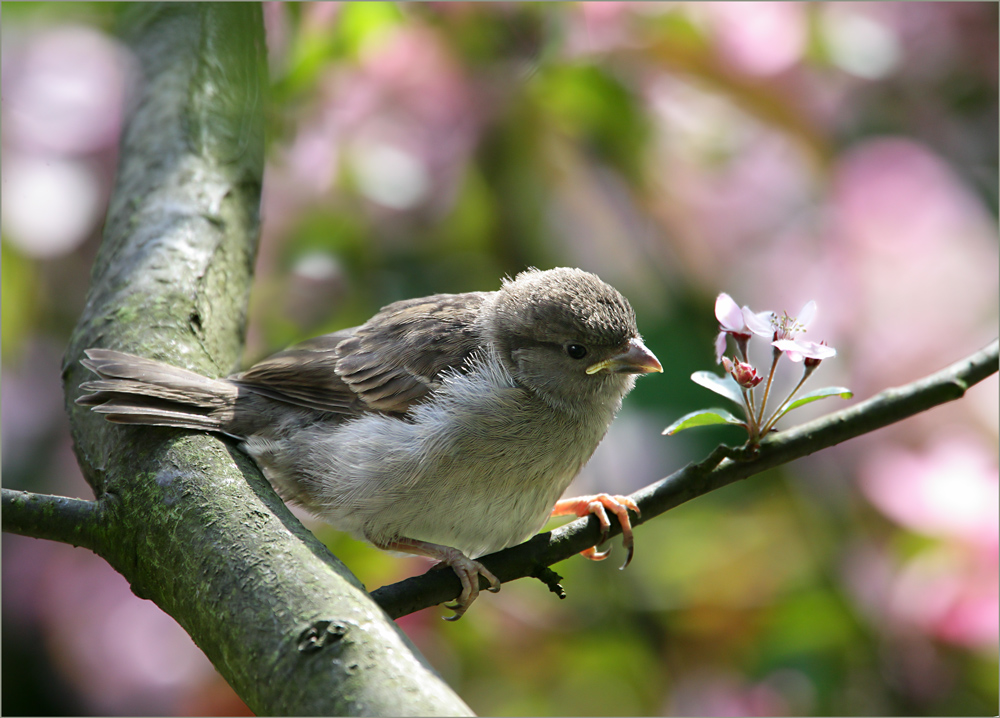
<point>495,460</point>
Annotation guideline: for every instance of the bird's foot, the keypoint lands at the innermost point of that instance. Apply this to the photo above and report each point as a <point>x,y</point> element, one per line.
<point>467,570</point>
<point>599,505</point>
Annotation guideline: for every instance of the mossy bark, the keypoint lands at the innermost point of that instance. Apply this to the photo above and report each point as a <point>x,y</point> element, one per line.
<point>186,517</point>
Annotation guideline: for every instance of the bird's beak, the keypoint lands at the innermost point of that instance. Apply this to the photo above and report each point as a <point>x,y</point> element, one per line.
<point>634,359</point>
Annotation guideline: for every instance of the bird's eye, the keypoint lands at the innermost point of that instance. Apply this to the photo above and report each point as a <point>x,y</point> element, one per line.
<point>576,351</point>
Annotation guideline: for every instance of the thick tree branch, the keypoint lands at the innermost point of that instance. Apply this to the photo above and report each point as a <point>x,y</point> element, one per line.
<point>187,519</point>
<point>723,467</point>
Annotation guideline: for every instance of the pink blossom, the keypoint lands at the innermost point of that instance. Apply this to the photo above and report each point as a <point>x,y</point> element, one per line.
<point>783,332</point>
<point>62,91</point>
<point>598,27</point>
<point>736,322</point>
<point>951,594</point>
<point>900,212</point>
<point>762,324</point>
<point>771,326</point>
<point>762,38</point>
<point>947,591</point>
<point>950,490</point>
<point>729,314</point>
<point>799,349</point>
<point>730,318</point>
<point>710,692</point>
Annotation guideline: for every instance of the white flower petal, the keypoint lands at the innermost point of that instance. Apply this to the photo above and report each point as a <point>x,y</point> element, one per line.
<point>799,349</point>
<point>762,324</point>
<point>806,314</point>
<point>728,313</point>
<point>720,346</point>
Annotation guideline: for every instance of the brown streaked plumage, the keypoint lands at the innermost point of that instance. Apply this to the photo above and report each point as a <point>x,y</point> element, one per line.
<point>446,425</point>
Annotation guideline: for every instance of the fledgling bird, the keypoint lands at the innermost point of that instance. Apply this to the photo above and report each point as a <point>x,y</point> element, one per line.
<point>446,426</point>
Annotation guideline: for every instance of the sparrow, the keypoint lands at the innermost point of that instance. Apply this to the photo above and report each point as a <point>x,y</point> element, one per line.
<point>446,426</point>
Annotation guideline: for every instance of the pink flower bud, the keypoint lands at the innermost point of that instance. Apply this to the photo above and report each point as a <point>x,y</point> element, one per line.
<point>744,374</point>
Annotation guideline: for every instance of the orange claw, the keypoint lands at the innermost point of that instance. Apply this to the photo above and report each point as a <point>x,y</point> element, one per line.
<point>599,505</point>
<point>594,555</point>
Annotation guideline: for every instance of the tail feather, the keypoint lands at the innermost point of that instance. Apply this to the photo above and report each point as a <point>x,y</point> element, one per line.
<point>102,388</point>
<point>150,416</point>
<point>135,390</point>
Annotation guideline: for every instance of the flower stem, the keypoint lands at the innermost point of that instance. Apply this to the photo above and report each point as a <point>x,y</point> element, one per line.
<point>752,418</point>
<point>767,387</point>
<point>777,412</point>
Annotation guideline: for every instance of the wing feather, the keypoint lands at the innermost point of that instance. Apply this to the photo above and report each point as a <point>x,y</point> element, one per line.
<point>387,364</point>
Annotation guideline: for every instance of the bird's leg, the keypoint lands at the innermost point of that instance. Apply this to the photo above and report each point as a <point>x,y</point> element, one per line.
<point>596,504</point>
<point>467,570</point>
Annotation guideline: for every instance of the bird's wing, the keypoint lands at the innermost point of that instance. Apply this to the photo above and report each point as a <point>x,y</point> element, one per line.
<point>397,357</point>
<point>387,364</point>
<point>305,375</point>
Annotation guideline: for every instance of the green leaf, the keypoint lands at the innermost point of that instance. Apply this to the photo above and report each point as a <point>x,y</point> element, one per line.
<point>723,385</point>
<point>817,394</point>
<point>703,417</point>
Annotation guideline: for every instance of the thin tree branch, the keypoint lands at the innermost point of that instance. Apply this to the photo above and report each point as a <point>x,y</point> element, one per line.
<point>57,518</point>
<point>723,467</point>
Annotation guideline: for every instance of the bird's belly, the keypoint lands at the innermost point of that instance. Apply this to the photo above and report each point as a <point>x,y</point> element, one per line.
<point>492,483</point>
<point>482,507</point>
